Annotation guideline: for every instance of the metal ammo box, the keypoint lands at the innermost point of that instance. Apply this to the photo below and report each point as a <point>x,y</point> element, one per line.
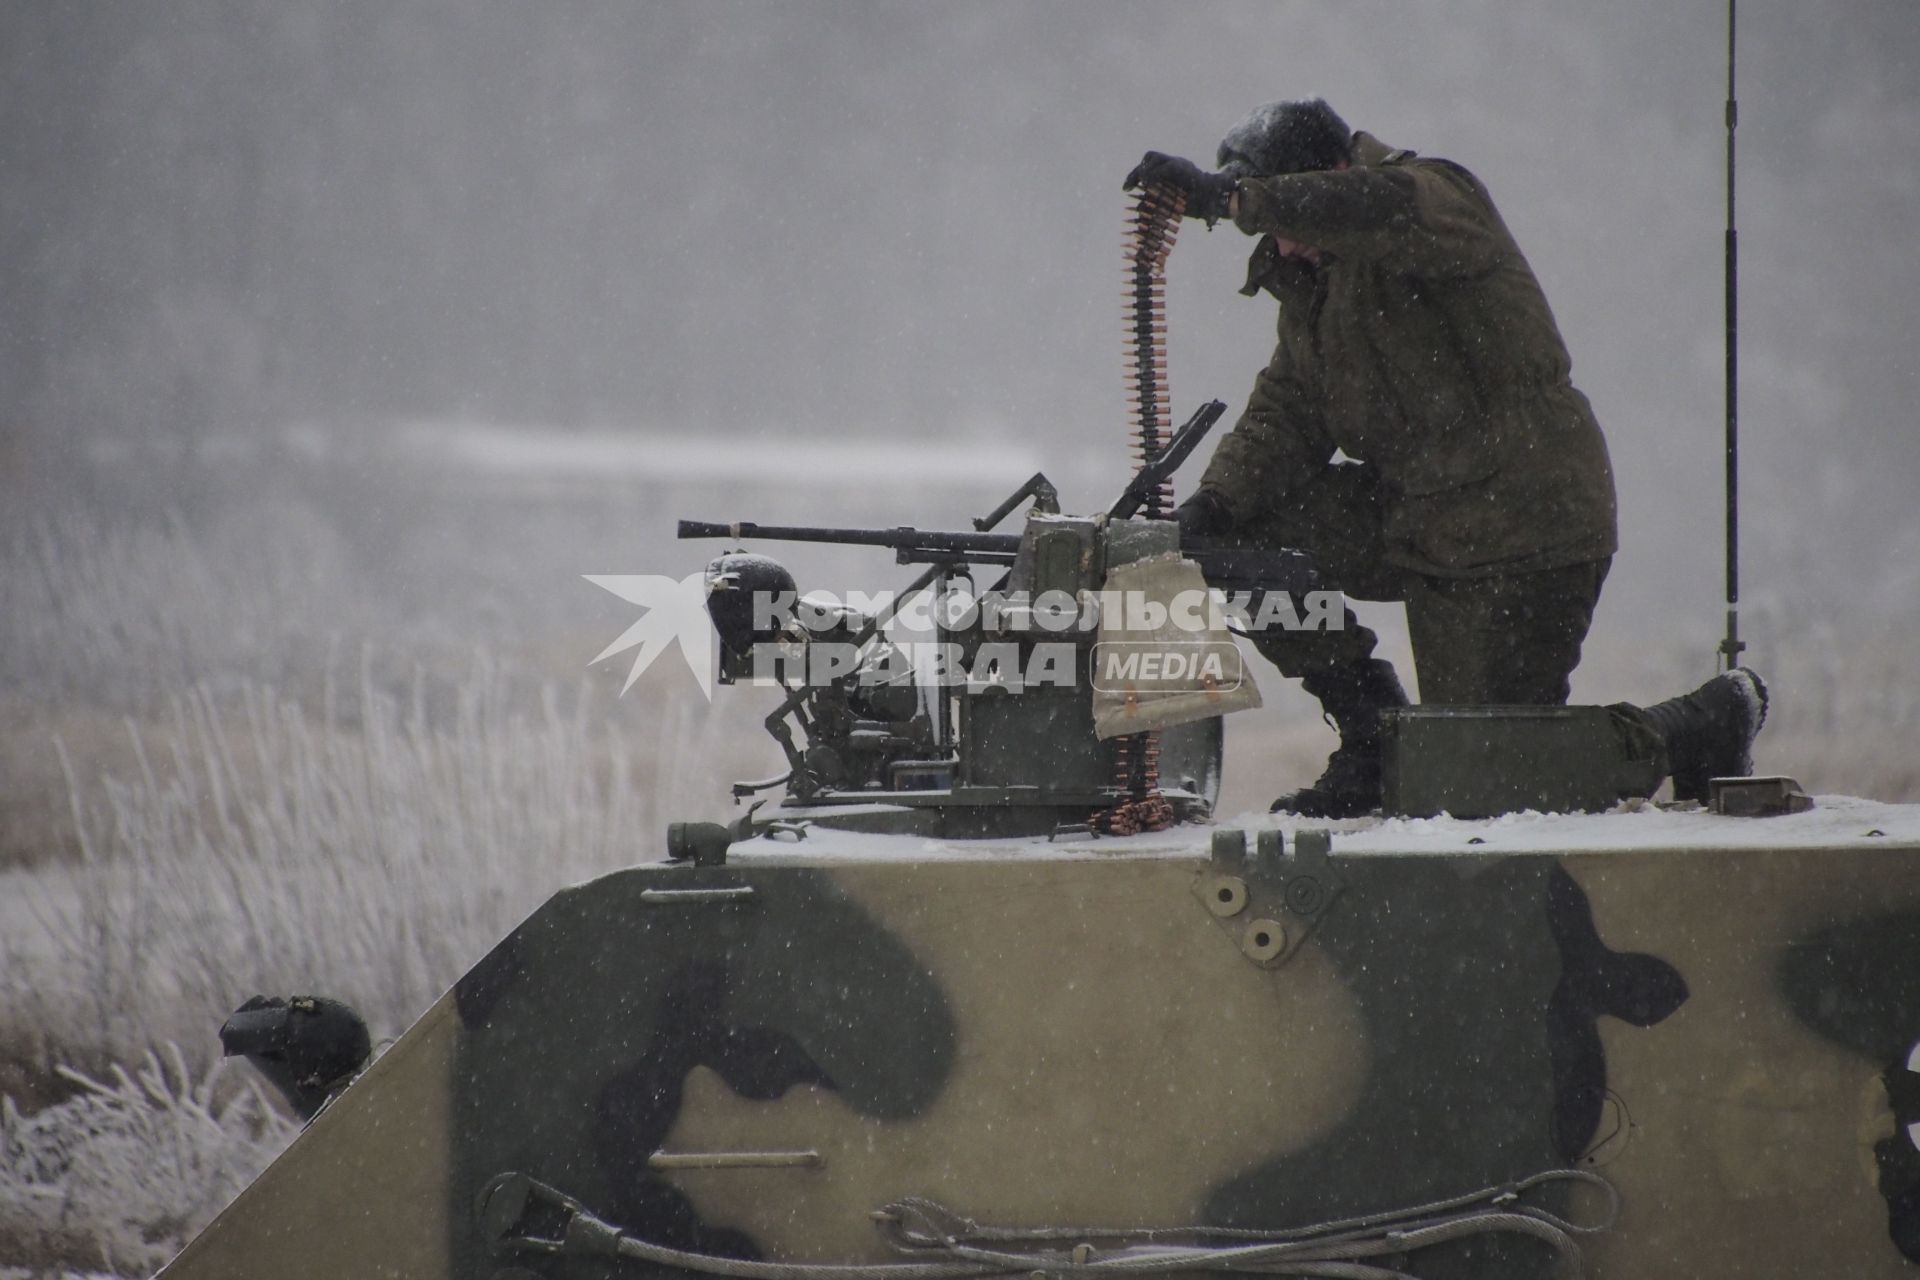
<point>1476,762</point>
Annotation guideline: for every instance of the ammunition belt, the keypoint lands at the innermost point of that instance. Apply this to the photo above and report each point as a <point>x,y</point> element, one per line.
<point>1152,223</point>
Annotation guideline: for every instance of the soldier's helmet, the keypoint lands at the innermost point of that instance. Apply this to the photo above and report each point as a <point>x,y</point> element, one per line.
<point>1286,137</point>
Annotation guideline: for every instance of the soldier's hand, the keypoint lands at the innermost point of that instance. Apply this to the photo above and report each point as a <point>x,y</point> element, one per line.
<point>1207,193</point>
<point>1203,515</point>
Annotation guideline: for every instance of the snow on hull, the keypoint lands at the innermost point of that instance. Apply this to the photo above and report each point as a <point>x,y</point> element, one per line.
<point>1834,821</point>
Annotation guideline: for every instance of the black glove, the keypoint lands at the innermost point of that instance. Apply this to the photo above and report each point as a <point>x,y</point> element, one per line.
<point>1203,515</point>
<point>1207,193</point>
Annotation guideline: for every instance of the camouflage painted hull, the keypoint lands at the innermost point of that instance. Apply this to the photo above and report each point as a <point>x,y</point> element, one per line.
<point>1716,1016</point>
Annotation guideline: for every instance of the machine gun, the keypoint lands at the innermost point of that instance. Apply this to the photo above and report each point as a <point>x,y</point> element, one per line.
<point>1224,565</point>
<point>983,748</point>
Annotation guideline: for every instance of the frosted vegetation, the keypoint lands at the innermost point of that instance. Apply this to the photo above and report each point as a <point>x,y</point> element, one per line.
<point>253,797</point>
<point>257,849</point>
<point>113,1180</point>
<point>253,805</point>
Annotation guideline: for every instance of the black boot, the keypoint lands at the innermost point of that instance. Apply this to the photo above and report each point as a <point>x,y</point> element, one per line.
<point>1709,733</point>
<point>1353,698</point>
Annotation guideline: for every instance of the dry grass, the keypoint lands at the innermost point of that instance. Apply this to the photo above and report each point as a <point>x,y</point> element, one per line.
<point>178,831</point>
<point>117,616</point>
<point>257,849</point>
<point>117,1178</point>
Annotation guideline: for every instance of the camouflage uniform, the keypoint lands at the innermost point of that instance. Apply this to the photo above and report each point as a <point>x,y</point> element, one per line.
<point>1423,348</point>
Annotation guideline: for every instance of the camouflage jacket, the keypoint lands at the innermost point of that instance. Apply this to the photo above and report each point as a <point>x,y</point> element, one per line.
<point>1423,345</point>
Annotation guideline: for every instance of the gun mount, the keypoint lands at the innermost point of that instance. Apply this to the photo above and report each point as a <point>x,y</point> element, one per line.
<point>993,726</point>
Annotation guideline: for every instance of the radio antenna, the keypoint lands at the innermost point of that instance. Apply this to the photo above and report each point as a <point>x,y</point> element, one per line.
<point>1732,644</point>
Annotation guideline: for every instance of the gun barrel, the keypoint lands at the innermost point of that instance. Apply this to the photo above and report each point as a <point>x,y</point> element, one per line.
<point>1224,564</point>
<point>707,529</point>
<point>909,540</point>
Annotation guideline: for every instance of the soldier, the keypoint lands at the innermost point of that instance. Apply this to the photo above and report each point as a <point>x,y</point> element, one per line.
<point>1475,484</point>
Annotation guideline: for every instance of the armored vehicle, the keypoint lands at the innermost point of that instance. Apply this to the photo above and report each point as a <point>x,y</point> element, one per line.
<point>981,986</point>
<point>989,992</point>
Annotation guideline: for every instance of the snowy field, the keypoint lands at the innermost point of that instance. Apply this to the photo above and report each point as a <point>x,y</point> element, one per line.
<point>336,733</point>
